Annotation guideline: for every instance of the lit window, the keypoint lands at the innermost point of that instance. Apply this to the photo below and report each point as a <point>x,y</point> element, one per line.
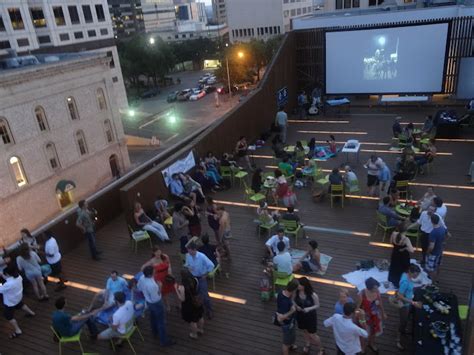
<point>5,133</point>
<point>16,19</point>
<point>101,100</point>
<point>18,172</point>
<point>71,105</point>
<point>37,16</point>
<point>81,142</point>
<point>52,156</point>
<point>59,15</point>
<point>41,119</point>
<point>109,133</point>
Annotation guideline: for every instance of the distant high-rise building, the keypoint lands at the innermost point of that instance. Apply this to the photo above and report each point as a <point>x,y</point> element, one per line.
<point>44,26</point>
<point>159,15</point>
<point>219,11</point>
<point>127,17</point>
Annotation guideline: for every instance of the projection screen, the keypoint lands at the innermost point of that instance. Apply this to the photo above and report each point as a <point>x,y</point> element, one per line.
<point>407,59</point>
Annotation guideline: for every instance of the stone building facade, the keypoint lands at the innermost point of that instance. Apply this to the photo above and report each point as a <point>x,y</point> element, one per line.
<point>61,138</point>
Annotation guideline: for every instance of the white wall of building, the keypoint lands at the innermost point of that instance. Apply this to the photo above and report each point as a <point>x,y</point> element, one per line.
<point>48,86</point>
<point>158,15</point>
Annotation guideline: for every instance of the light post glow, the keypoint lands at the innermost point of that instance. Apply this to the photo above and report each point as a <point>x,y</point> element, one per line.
<point>382,41</point>
<point>131,113</point>
<point>240,54</point>
<point>152,40</point>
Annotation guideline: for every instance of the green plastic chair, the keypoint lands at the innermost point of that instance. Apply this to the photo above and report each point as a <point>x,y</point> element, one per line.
<point>403,141</point>
<point>266,226</point>
<point>227,173</point>
<point>463,311</point>
<point>241,175</point>
<point>281,279</point>
<point>337,191</point>
<point>127,336</point>
<point>383,224</point>
<point>413,234</point>
<point>291,228</point>
<point>251,195</point>
<point>136,238</point>
<point>212,275</point>
<point>63,340</point>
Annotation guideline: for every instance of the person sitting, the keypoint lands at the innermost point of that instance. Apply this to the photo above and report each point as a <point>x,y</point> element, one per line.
<point>66,325</point>
<point>335,178</point>
<point>300,153</point>
<point>257,180</point>
<point>408,132</point>
<point>161,207</point>
<point>332,144</point>
<point>285,167</point>
<point>211,168</point>
<point>428,156</point>
<point>394,196</point>
<point>396,127</point>
<point>207,183</point>
<point>228,160</point>
<point>350,176</point>
<point>427,199</point>
<point>177,188</point>
<point>122,319</point>
<point>428,125</point>
<point>272,243</point>
<point>209,250</point>
<point>290,215</point>
<point>281,186</point>
<point>393,219</point>
<point>282,261</point>
<point>265,216</point>
<point>191,186</point>
<point>115,283</point>
<point>146,223</point>
<point>311,260</point>
<point>409,167</point>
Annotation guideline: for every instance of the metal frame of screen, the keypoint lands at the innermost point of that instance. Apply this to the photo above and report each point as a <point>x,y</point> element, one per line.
<point>365,28</point>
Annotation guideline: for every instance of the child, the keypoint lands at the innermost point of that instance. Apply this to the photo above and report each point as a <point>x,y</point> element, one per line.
<point>332,144</point>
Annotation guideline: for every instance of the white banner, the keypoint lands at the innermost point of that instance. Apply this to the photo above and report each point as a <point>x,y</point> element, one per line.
<point>179,166</point>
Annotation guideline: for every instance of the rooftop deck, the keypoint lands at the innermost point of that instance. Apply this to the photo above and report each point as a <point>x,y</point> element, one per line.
<point>242,323</point>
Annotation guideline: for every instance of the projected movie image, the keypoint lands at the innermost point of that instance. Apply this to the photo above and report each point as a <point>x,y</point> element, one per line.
<point>381,62</point>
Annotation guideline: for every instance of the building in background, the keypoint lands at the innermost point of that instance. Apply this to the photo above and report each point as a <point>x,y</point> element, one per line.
<point>127,17</point>
<point>32,26</point>
<point>219,11</point>
<point>61,136</point>
<point>159,15</point>
<point>360,6</point>
<point>262,19</point>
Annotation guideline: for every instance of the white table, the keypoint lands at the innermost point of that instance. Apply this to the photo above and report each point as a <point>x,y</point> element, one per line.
<point>353,150</point>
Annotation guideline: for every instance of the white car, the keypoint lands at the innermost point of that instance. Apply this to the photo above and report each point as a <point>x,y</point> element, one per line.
<point>197,94</point>
<point>211,80</point>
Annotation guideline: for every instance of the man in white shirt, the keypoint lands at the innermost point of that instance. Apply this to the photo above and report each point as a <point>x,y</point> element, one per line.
<point>441,209</point>
<point>151,290</point>
<point>53,257</point>
<point>346,333</point>
<point>281,121</point>
<point>12,291</point>
<point>282,261</point>
<point>272,243</point>
<point>122,319</point>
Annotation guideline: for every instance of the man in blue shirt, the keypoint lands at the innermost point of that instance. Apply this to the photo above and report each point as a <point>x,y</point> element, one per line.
<point>393,219</point>
<point>177,188</point>
<point>115,284</point>
<point>435,249</point>
<point>67,326</point>
<point>199,265</point>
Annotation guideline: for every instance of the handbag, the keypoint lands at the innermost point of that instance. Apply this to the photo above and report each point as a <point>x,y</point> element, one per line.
<point>275,320</point>
<point>46,270</point>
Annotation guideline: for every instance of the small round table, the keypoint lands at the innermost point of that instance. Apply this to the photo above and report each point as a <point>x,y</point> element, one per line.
<point>403,210</point>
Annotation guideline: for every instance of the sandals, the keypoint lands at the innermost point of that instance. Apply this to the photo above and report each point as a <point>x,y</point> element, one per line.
<point>14,335</point>
<point>193,336</point>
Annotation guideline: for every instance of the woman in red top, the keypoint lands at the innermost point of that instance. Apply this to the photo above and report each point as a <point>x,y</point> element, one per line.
<point>162,275</point>
<point>370,302</point>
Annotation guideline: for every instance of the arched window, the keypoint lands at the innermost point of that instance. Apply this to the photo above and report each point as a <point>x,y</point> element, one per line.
<point>52,156</point>
<point>81,142</point>
<point>5,134</point>
<point>71,105</point>
<point>41,119</point>
<point>114,166</point>
<point>109,133</point>
<point>18,172</point>
<point>101,100</point>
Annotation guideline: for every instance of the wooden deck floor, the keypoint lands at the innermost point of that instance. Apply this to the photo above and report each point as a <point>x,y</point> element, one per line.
<point>246,328</point>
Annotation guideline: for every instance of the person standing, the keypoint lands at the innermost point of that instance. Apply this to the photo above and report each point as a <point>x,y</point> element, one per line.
<point>435,247</point>
<point>85,222</point>
<point>212,217</point>
<point>192,308</point>
<point>307,302</point>
<point>53,257</point>
<point>225,233</point>
<point>29,263</point>
<point>285,316</point>
<point>199,265</point>
<point>346,333</point>
<point>152,293</point>
<point>281,121</point>
<point>12,291</point>
<point>302,104</point>
<point>370,301</point>
<point>373,166</point>
<point>400,258</point>
<point>405,295</point>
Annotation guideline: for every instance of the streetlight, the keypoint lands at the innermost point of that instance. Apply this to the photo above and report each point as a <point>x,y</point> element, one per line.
<point>240,55</point>
<point>152,40</point>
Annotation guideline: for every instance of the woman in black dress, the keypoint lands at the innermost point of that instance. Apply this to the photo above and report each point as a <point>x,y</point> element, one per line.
<point>400,259</point>
<point>192,308</point>
<point>306,302</point>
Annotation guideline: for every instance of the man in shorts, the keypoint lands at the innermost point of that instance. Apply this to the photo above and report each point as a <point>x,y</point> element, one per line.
<point>12,291</point>
<point>122,319</point>
<point>435,248</point>
<point>53,257</point>
<point>285,316</point>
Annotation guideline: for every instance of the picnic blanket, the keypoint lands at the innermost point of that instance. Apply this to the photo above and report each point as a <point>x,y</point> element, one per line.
<point>322,153</point>
<point>297,254</point>
<point>357,278</point>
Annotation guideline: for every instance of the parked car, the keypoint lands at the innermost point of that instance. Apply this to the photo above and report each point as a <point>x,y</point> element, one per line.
<point>244,86</point>
<point>173,96</point>
<point>198,94</point>
<point>211,80</point>
<point>205,77</point>
<point>184,95</point>
<point>209,88</point>
<point>150,93</point>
